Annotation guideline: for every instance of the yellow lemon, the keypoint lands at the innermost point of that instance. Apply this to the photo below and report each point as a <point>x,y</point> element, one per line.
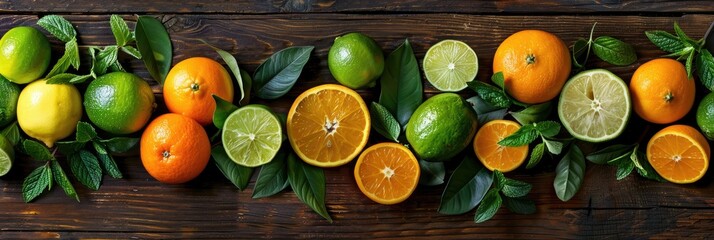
<point>49,112</point>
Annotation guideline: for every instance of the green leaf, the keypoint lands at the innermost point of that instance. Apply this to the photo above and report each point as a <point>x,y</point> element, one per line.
<point>688,65</point>
<point>37,150</point>
<point>233,66</point>
<point>665,41</point>
<point>569,174</point>
<point>85,132</point>
<point>69,147</point>
<point>524,136</point>
<point>536,155</point>
<point>492,95</point>
<point>680,34</point>
<point>520,205</point>
<point>131,51</point>
<point>62,78</point>
<point>609,153</point>
<point>70,57</point>
<point>554,147</point>
<point>105,58</point>
<point>277,75</point>
<point>514,188</point>
<point>85,167</point>
<point>58,27</point>
<point>35,183</point>
<point>705,69</point>
<point>580,52</point>
<point>154,44</point>
<point>466,187</point>
<point>547,128</point>
<point>107,161</point>
<point>624,170</point>
<point>80,79</point>
<point>120,144</point>
<point>247,85</point>
<point>12,133</point>
<point>223,110</point>
<point>237,174</point>
<point>273,176</point>
<point>432,173</point>
<point>62,180</point>
<point>383,122</point>
<point>489,206</point>
<point>499,80</point>
<point>484,111</point>
<point>308,183</point>
<point>121,31</point>
<point>401,83</point>
<point>614,51</point>
<point>533,113</point>
<point>499,180</point>
<point>647,171</point>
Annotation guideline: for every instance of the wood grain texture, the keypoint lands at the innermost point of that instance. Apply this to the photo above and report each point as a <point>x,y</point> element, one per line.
<point>211,207</point>
<point>378,6</point>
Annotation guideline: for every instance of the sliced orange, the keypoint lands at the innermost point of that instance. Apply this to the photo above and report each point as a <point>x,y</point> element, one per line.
<point>679,153</point>
<point>494,156</point>
<point>328,125</point>
<point>387,173</point>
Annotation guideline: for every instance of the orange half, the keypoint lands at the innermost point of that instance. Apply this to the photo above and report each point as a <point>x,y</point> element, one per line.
<point>679,153</point>
<point>494,156</point>
<point>328,125</point>
<point>387,173</point>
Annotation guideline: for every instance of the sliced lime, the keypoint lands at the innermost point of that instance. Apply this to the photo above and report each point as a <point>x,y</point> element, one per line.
<point>449,65</point>
<point>595,105</point>
<point>252,135</point>
<point>7,154</point>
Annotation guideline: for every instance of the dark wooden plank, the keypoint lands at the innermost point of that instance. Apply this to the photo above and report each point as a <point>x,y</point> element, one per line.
<point>210,207</point>
<point>332,6</point>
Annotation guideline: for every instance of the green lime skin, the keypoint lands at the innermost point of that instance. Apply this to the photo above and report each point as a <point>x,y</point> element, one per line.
<point>9,93</point>
<point>24,54</point>
<point>119,102</point>
<point>355,60</point>
<point>705,116</point>
<point>441,127</point>
<point>7,150</point>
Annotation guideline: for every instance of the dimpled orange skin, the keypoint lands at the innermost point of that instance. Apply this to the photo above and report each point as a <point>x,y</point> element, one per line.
<point>661,92</point>
<point>174,148</point>
<point>189,87</point>
<point>535,65</point>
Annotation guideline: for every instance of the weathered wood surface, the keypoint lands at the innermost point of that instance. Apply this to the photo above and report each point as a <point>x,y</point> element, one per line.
<point>210,207</point>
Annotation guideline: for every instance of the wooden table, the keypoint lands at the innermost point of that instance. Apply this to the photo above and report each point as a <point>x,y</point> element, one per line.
<point>211,207</point>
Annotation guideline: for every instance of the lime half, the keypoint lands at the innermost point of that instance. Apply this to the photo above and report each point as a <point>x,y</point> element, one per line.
<point>7,154</point>
<point>449,65</point>
<point>595,105</point>
<point>252,135</point>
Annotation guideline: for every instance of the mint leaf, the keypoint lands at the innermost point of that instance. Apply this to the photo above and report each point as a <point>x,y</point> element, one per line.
<point>665,41</point>
<point>62,180</point>
<point>35,183</point>
<point>689,65</point>
<point>488,208</point>
<point>485,111</point>
<point>401,91</point>
<point>647,171</point>
<point>277,74</point>
<point>547,128</point>
<point>533,113</point>
<point>80,79</point>
<point>121,31</point>
<point>499,80</point>
<point>131,51</point>
<point>107,161</point>
<point>37,150</point>
<point>514,188</point>
<point>524,136</point>
<point>553,146</point>
<point>432,173</point>
<point>499,180</point>
<point>12,133</point>
<point>120,144</point>
<point>62,78</point>
<point>466,188</point>
<point>614,51</point>
<point>520,205</point>
<point>58,27</point>
<point>85,132</point>
<point>569,174</point>
<point>705,69</point>
<point>223,110</point>
<point>85,167</point>
<point>154,44</point>
<point>492,95</point>
<point>383,122</point>
<point>680,34</point>
<point>105,58</point>
<point>308,183</point>
<point>273,176</point>
<point>70,57</point>
<point>237,174</point>
<point>69,147</point>
<point>609,153</point>
<point>536,155</point>
<point>624,170</point>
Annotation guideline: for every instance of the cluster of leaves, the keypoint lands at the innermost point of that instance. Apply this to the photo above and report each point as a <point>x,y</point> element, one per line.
<point>627,158</point>
<point>696,57</point>
<point>609,49</point>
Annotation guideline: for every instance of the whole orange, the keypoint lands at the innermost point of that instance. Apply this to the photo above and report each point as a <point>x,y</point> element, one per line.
<point>661,92</point>
<point>174,148</point>
<point>190,84</point>
<point>535,65</point>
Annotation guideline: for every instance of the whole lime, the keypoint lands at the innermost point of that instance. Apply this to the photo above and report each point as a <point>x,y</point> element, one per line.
<point>355,60</point>
<point>705,116</point>
<point>9,92</point>
<point>441,127</point>
<point>119,102</point>
<point>49,112</point>
<point>24,54</point>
